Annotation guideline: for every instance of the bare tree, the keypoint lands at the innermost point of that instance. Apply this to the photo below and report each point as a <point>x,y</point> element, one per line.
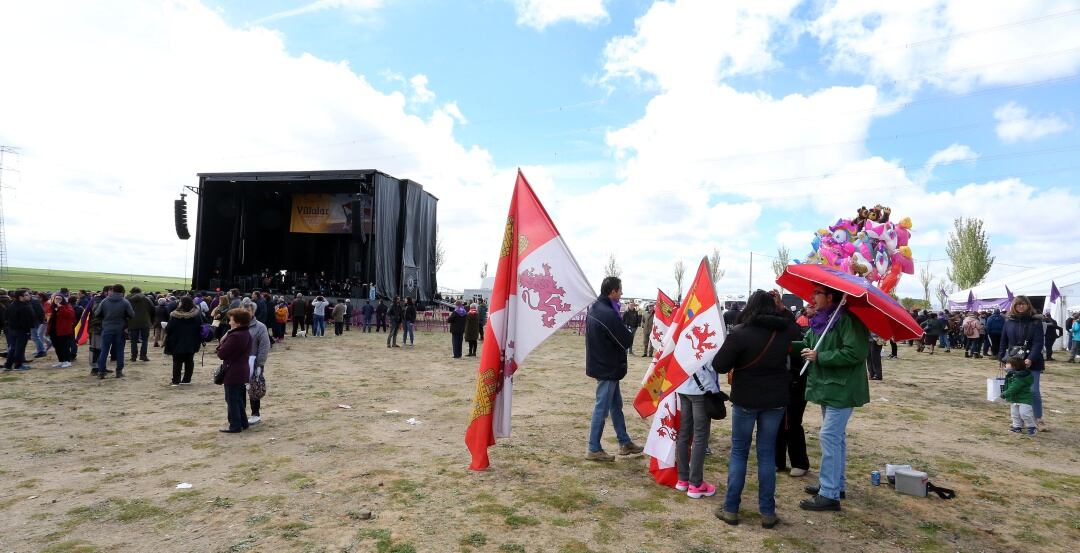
<point>783,258</point>
<point>944,289</point>
<point>715,272</point>
<point>926,278</point>
<point>483,272</point>
<point>440,251</point>
<point>612,269</point>
<point>680,270</point>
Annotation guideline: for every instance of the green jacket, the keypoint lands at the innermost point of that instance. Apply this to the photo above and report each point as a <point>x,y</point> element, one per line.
<point>1018,387</point>
<point>838,377</point>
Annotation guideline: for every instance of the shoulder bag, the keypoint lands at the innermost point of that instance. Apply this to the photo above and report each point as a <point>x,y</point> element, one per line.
<point>715,405</point>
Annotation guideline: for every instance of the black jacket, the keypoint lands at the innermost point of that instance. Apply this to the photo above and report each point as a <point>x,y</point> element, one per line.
<point>410,313</point>
<point>765,384</point>
<point>632,318</point>
<point>606,340</point>
<point>38,310</point>
<point>183,334</point>
<point>457,322</point>
<point>20,317</point>
<point>395,312</point>
<point>1021,330</point>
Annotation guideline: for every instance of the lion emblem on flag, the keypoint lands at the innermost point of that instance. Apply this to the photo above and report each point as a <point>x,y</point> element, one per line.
<point>701,335</point>
<point>547,293</point>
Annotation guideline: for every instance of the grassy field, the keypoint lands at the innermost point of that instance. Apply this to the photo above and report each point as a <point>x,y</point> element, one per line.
<point>50,279</point>
<point>93,465</point>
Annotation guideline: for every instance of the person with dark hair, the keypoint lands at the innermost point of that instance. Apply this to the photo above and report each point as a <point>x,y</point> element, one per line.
<point>161,319</point>
<point>394,314</point>
<point>836,380</point>
<point>234,349</point>
<point>1023,336</point>
<point>995,323</point>
<point>632,319</point>
<point>646,330</point>
<point>367,312</point>
<point>62,330</point>
<point>338,313</point>
<point>38,334</point>
<point>456,321</point>
<point>606,342</point>
<point>139,325</point>
<point>299,314</point>
<point>756,356</point>
<point>409,320</point>
<point>482,312</point>
<point>95,331</point>
<point>380,317</point>
<point>260,350</point>
<point>183,338</point>
<point>20,320</point>
<point>115,311</point>
<point>472,329</point>
<point>1051,332</point>
<point>318,321</point>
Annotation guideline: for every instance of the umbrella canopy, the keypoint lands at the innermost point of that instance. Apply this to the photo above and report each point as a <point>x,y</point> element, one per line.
<point>879,312</point>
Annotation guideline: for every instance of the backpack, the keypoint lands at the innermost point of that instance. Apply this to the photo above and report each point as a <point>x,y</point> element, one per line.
<point>971,328</point>
<point>206,332</point>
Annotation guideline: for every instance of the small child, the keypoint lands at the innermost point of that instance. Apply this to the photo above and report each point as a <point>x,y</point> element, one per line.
<point>1017,391</point>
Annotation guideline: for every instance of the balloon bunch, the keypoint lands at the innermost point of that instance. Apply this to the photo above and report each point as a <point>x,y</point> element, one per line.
<point>869,246</point>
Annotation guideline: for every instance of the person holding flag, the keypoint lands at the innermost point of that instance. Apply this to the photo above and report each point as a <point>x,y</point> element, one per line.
<point>607,340</point>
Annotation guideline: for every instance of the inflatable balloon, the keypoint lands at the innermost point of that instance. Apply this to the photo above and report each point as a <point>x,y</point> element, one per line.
<point>869,246</point>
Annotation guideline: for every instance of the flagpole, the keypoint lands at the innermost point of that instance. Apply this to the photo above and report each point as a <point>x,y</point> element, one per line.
<point>828,327</point>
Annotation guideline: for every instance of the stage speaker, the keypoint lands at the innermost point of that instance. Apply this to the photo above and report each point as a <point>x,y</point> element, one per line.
<point>215,284</point>
<point>180,215</point>
<point>357,221</point>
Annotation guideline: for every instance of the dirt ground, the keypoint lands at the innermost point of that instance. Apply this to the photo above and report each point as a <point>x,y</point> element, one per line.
<point>89,465</point>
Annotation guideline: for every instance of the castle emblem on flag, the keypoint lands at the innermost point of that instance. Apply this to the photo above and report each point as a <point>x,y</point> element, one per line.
<point>701,334</point>
<point>548,294</point>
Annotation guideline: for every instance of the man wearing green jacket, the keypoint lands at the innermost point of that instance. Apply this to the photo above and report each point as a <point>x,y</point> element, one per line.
<point>836,380</point>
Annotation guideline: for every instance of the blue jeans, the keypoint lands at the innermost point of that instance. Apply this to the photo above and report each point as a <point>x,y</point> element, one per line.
<point>37,335</point>
<point>833,438</point>
<point>113,339</point>
<point>408,336</point>
<point>608,400</point>
<point>319,325</point>
<point>742,430</point>
<point>943,340</point>
<point>1036,394</point>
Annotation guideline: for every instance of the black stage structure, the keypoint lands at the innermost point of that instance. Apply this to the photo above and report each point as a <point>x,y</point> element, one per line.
<point>384,233</point>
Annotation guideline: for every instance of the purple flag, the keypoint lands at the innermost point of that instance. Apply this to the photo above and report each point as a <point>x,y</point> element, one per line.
<point>971,301</point>
<point>1008,293</point>
<point>1054,294</point>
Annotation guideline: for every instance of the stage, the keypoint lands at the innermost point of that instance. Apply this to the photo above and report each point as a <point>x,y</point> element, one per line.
<point>328,232</point>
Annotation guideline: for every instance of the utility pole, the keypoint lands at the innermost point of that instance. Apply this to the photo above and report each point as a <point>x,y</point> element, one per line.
<point>3,235</point>
<point>750,280</point>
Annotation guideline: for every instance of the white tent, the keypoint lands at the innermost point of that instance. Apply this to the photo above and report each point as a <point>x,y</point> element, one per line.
<point>1033,282</point>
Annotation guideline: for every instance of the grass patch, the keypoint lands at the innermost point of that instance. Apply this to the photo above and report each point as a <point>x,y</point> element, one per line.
<point>186,423</point>
<point>517,521</point>
<point>137,509</point>
<point>512,548</point>
<point>648,504</point>
<point>72,546</point>
<point>1029,536</point>
<point>475,539</point>
<point>384,543</point>
<point>222,502</point>
<point>90,469</point>
<point>575,546</point>
<point>299,480</point>
<point>492,509</point>
<point>181,496</point>
<point>292,530</point>
<point>566,499</point>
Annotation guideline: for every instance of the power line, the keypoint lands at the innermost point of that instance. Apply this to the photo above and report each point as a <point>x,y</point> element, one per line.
<point>1003,26</point>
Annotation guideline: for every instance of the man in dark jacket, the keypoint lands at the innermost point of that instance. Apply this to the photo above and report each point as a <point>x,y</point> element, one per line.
<point>607,340</point>
<point>994,325</point>
<point>139,325</point>
<point>115,311</point>
<point>394,313</point>
<point>20,320</point>
<point>380,317</point>
<point>457,320</point>
<point>632,319</point>
<point>482,312</point>
<point>299,314</point>
<point>368,312</point>
<point>1051,333</point>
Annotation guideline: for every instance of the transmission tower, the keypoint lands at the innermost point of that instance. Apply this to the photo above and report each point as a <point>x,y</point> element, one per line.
<point>3,235</point>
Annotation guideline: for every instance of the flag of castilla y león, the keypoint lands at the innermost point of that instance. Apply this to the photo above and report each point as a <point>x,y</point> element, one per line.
<point>538,288</point>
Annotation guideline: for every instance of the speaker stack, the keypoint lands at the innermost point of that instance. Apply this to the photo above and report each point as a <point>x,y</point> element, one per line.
<point>180,216</point>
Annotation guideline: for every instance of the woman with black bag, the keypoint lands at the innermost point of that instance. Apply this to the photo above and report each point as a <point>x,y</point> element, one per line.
<point>234,349</point>
<point>183,337</point>
<point>756,353</point>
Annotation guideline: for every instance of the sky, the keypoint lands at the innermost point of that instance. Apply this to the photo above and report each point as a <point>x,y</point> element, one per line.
<point>651,131</point>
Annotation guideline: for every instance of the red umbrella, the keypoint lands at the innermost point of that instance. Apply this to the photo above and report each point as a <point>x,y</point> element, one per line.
<point>879,312</point>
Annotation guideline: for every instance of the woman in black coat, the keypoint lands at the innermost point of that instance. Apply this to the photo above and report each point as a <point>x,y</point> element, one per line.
<point>183,337</point>
<point>456,320</point>
<point>1024,329</point>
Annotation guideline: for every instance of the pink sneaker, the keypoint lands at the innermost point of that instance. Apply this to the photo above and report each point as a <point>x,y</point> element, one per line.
<point>681,485</point>
<point>704,490</point>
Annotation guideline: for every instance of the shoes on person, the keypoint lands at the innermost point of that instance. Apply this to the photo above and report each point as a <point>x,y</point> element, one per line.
<point>1015,429</point>
<point>255,419</point>
<point>1031,431</point>
<point>144,359</point>
<point>40,354</point>
<point>65,364</point>
<point>797,472</point>
<point>814,490</point>
<point>23,368</point>
<point>819,503</point>
<point>704,489</point>
<point>101,375</point>
<point>55,365</point>
<point>947,350</point>
<point>682,485</point>
<point>187,383</point>
<point>156,345</point>
<point>769,521</point>
<point>599,456</point>
<point>630,448</point>
<point>174,384</point>
<point>119,373</point>
<point>229,430</point>
<point>729,518</point>
<point>7,369</point>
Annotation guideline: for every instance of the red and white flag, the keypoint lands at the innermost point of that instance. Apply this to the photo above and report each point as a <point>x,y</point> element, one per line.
<point>660,445</point>
<point>538,288</point>
<point>695,335</point>
<point>663,312</point>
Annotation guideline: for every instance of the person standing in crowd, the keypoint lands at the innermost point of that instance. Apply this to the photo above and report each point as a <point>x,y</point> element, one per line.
<point>755,355</point>
<point>1022,336</point>
<point>299,314</point>
<point>368,313</point>
<point>260,350</point>
<point>37,334</point>
<point>456,321</point>
<point>380,317</point>
<point>139,325</point>
<point>281,318</point>
<point>115,311</point>
<point>61,329</point>
<point>219,318</point>
<point>1074,344</point>
<point>837,382</point>
<point>873,358</point>
<point>19,323</point>
<point>95,331</point>
<point>348,314</point>
<point>646,330</point>
<point>632,319</point>
<point>472,329</point>
<point>970,328</point>
<point>161,319</point>
<point>339,317</point>
<point>694,427</point>
<point>1051,333</point>
<point>606,342</point>
<point>409,320</point>
<point>791,436</point>
<point>183,338</point>
<point>261,308</point>
<point>318,321</point>
<point>934,328</point>
<point>1017,391</point>
<point>482,312</point>
<point>394,314</point>
<point>234,350</point>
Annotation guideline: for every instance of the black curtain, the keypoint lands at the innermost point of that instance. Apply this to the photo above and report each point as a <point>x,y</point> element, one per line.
<point>387,248</point>
<point>410,258</point>
<point>426,261</point>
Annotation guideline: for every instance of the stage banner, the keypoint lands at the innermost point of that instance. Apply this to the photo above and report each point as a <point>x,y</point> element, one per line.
<point>321,214</point>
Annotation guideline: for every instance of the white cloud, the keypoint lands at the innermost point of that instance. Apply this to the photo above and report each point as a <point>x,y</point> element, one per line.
<point>358,9</point>
<point>539,14</point>
<point>955,153</point>
<point>421,94</point>
<point>951,45</point>
<point>696,42</point>
<point>1014,124</point>
<point>116,115</point>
